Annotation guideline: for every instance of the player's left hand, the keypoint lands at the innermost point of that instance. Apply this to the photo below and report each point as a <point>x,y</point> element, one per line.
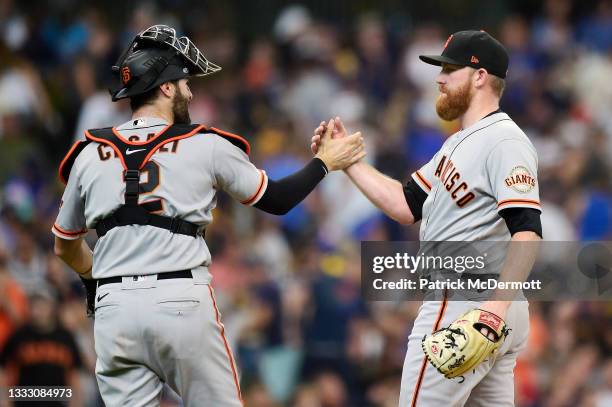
<point>465,343</point>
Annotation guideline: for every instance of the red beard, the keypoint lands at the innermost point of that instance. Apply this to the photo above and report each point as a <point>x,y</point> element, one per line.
<point>452,105</point>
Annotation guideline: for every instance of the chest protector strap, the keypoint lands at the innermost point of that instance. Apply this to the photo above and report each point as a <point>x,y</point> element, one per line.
<point>134,156</point>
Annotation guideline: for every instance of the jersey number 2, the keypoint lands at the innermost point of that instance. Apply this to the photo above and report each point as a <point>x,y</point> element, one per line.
<point>152,170</point>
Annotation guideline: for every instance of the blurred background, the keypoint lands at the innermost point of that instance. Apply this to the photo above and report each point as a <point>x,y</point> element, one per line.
<point>289,287</point>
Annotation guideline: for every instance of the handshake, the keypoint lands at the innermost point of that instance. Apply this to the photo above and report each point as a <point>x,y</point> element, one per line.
<point>332,145</point>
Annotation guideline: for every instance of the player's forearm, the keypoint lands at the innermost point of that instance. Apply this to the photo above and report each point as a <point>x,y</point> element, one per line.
<point>521,256</point>
<point>384,192</point>
<point>283,195</point>
<point>76,254</point>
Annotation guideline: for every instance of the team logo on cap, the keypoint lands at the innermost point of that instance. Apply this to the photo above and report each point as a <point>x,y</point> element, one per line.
<point>126,75</point>
<point>521,180</point>
<point>474,60</point>
<point>448,40</point>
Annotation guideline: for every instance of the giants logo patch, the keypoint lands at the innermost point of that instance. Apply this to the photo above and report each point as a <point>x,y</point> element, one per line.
<point>521,180</point>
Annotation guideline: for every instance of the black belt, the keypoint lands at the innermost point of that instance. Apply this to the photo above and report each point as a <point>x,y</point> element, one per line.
<point>160,276</point>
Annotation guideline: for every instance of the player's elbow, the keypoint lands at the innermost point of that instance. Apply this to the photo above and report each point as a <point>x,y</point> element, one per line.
<point>62,248</point>
<point>59,249</point>
<point>405,219</point>
<point>402,215</point>
<point>278,212</point>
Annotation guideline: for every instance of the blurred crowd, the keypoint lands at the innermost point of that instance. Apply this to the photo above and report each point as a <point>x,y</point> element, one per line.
<point>289,287</point>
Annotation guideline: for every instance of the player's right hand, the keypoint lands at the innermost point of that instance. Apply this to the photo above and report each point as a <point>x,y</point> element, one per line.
<point>340,152</point>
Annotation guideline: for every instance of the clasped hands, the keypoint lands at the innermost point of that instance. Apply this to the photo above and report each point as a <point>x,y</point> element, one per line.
<point>332,145</point>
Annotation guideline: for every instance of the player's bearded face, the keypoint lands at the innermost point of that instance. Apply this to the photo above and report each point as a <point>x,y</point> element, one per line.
<point>453,103</point>
<point>180,108</point>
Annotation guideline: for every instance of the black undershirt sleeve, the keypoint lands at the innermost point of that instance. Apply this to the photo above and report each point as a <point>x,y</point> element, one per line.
<point>283,195</point>
<point>415,197</point>
<point>522,220</point>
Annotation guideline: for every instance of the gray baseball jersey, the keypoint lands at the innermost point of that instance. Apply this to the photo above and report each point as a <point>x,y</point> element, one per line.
<point>479,171</point>
<point>185,178</point>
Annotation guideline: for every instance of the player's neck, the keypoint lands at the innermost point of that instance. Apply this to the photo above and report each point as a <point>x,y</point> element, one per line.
<point>153,111</point>
<point>479,108</point>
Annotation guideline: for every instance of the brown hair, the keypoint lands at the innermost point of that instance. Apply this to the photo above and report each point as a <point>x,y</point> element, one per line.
<point>138,101</point>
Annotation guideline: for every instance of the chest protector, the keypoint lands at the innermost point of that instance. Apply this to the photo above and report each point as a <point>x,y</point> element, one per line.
<point>134,156</point>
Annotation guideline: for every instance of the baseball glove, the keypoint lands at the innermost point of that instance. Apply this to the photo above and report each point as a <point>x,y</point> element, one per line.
<point>472,338</point>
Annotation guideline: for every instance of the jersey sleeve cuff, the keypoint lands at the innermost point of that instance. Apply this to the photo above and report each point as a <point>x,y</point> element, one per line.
<point>421,181</point>
<point>519,203</point>
<point>67,234</point>
<point>261,189</point>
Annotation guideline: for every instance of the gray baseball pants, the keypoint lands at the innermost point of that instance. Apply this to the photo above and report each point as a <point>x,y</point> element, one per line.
<point>149,332</point>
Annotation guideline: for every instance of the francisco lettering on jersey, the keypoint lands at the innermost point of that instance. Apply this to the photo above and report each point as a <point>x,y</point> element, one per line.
<point>451,179</point>
<point>105,152</point>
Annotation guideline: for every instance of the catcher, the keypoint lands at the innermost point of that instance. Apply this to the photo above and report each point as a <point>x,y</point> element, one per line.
<point>148,188</point>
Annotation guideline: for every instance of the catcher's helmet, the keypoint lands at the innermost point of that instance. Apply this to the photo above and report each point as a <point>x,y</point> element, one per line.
<point>156,56</point>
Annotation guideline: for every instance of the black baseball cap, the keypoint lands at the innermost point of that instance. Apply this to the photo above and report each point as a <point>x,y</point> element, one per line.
<point>476,49</point>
